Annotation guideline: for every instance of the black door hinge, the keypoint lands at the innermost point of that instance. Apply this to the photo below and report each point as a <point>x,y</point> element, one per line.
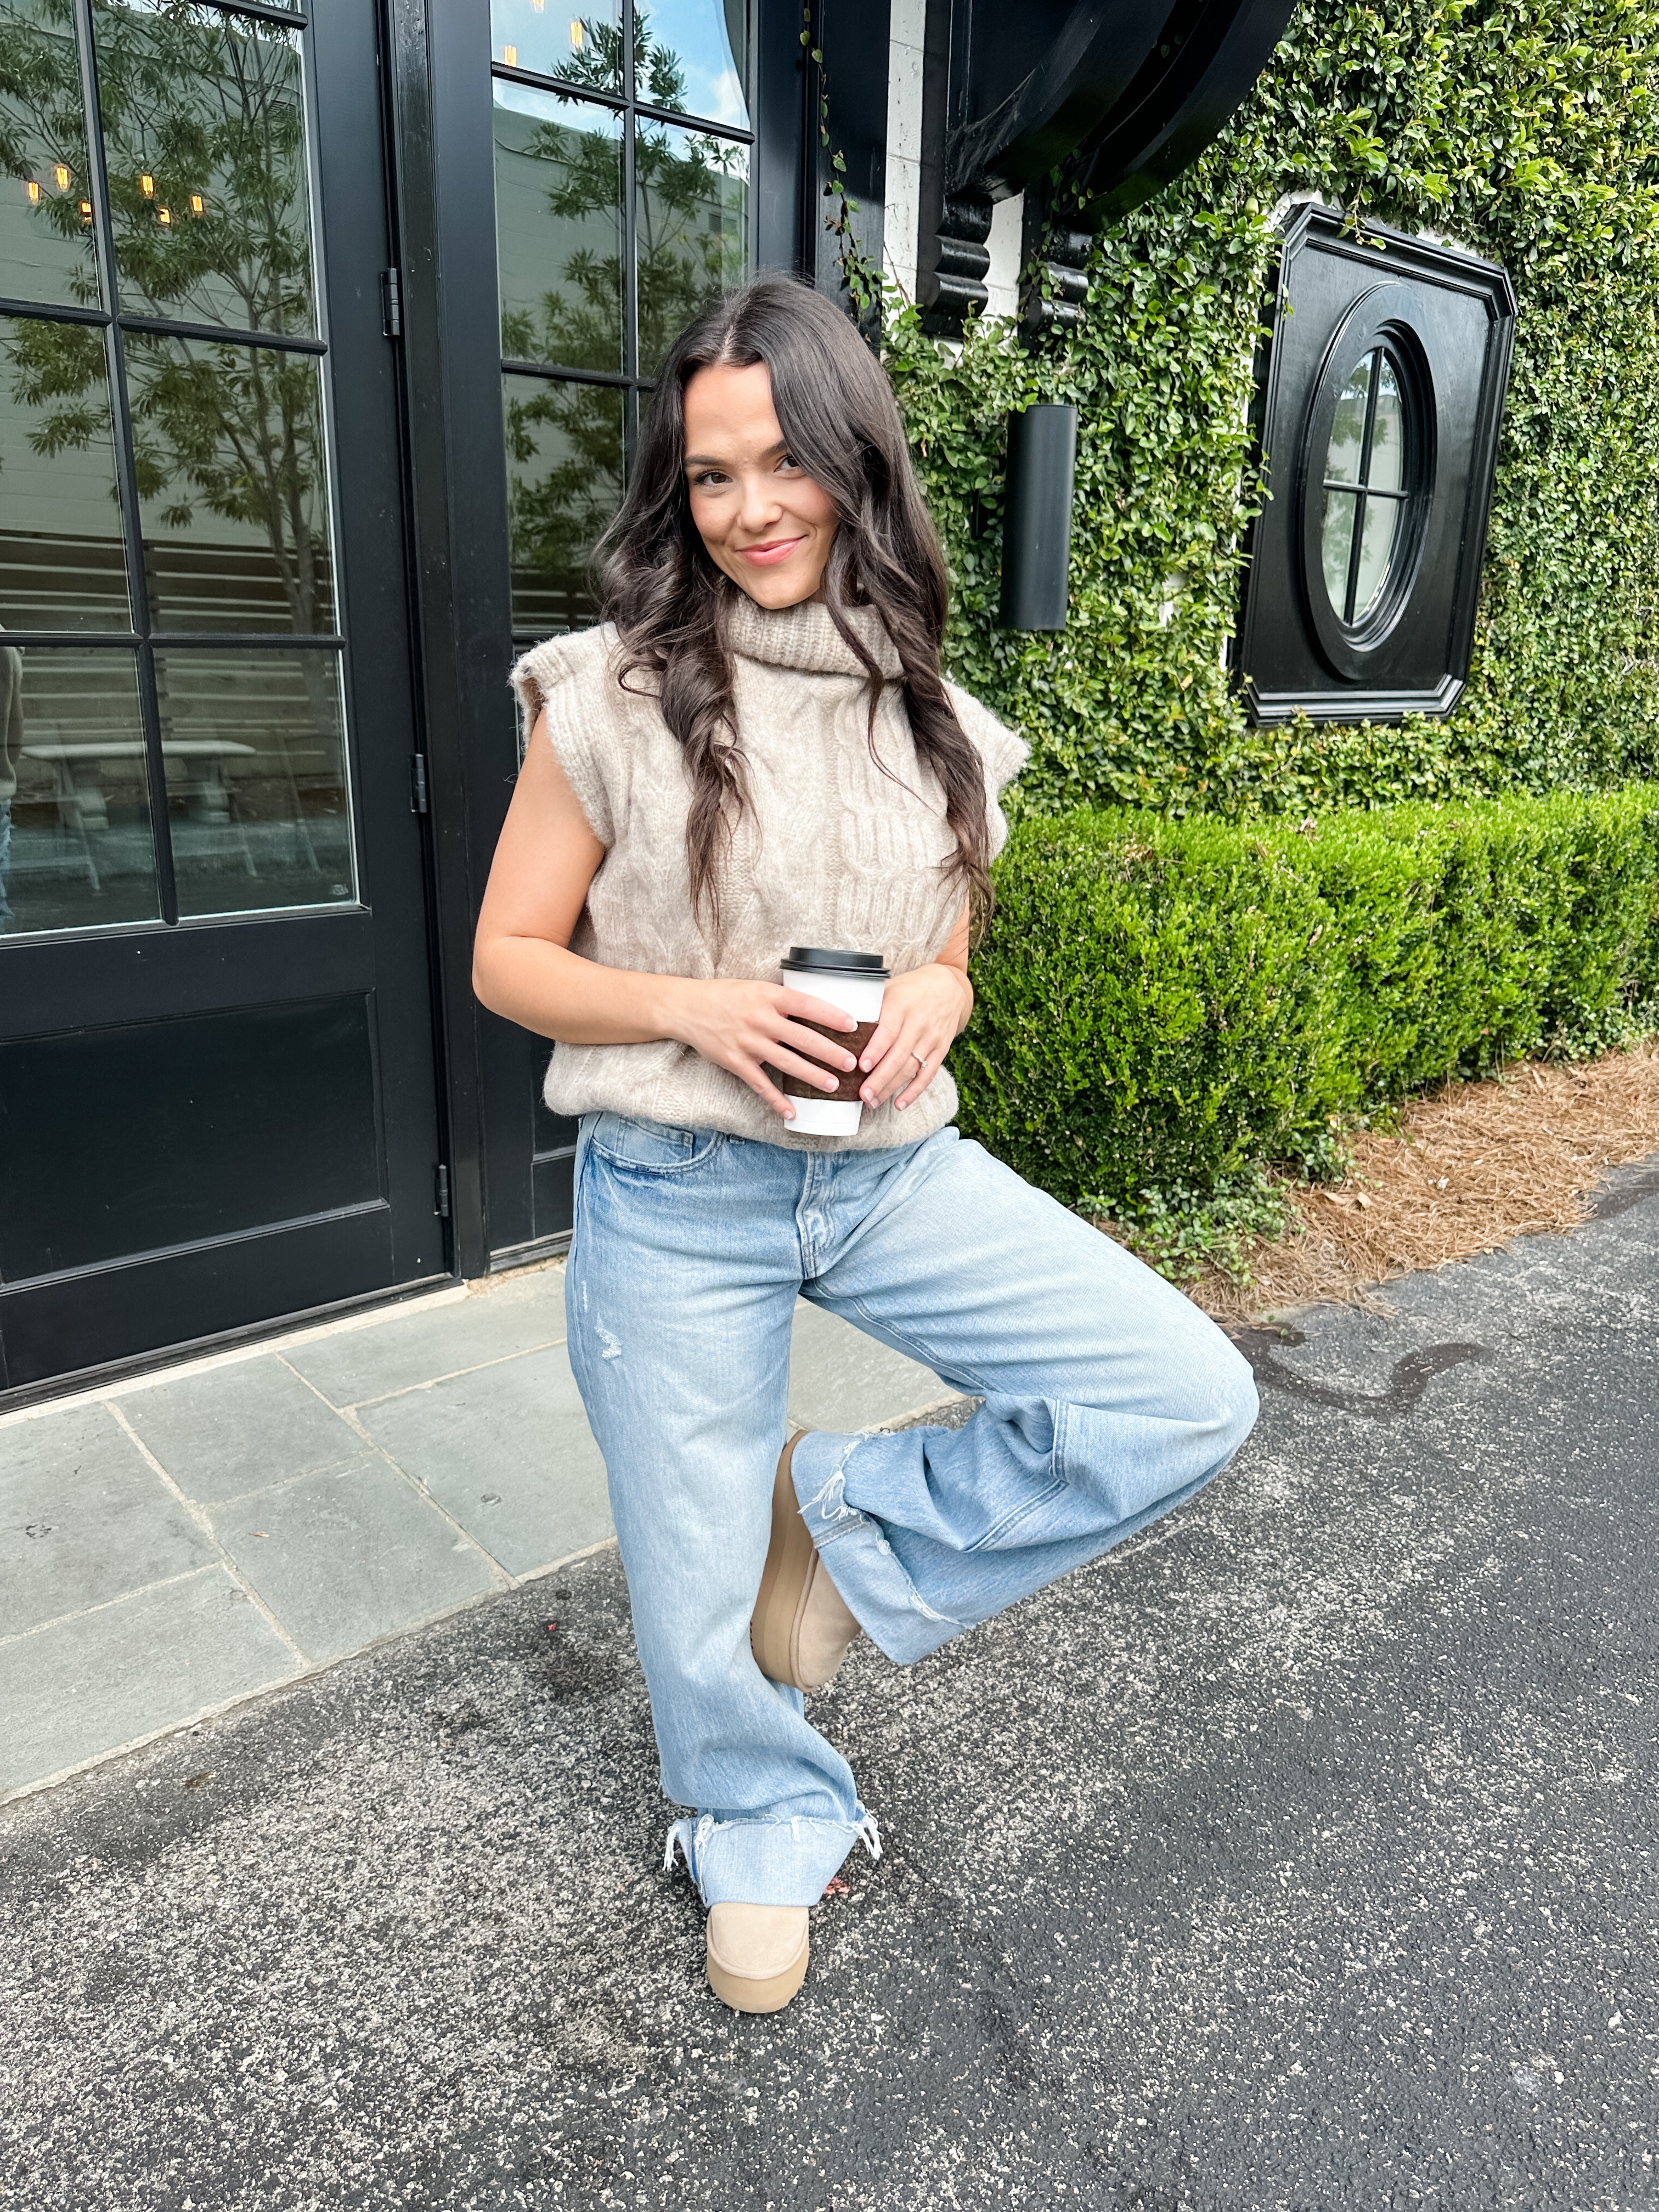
<point>417,784</point>
<point>392,304</point>
<point>441,1193</point>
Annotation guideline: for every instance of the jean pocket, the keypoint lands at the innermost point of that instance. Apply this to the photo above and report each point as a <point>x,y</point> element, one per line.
<point>651,1148</point>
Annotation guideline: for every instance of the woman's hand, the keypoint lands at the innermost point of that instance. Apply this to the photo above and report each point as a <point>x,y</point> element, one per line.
<point>922,1015</point>
<point>739,1026</point>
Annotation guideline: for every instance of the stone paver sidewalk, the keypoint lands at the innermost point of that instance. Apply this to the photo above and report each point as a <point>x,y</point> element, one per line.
<point>174,1545</point>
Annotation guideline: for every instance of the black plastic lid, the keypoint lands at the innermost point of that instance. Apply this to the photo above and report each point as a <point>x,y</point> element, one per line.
<point>811,957</point>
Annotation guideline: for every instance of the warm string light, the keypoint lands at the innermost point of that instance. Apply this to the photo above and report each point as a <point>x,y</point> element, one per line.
<point>198,205</point>
<point>33,191</point>
<point>510,56</point>
<point>63,177</point>
<point>164,217</point>
<point>147,185</point>
<point>577,35</point>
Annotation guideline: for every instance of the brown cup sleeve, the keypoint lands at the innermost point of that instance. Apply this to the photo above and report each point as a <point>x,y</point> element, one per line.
<point>797,1086</point>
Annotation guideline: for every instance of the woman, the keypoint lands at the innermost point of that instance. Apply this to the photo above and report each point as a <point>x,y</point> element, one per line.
<point>757,750</point>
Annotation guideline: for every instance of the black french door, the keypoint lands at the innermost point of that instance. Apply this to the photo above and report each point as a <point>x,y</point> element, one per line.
<point>571,182</point>
<point>217,1092</point>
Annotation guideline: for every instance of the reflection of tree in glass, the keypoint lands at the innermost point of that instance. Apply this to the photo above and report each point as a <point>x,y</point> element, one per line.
<point>690,190</point>
<point>689,197</point>
<point>59,368</point>
<point>564,476</point>
<point>577,323</point>
<point>205,137</point>
<point>689,194</point>
<point>659,73</point>
<point>43,126</point>
<point>241,426</point>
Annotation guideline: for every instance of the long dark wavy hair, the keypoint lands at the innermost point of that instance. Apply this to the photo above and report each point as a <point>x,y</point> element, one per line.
<point>666,597</point>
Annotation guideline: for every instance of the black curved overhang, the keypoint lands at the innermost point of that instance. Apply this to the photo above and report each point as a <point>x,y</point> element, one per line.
<point>1135,89</point>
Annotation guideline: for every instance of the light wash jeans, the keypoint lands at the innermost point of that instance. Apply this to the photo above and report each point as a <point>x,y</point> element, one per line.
<point>1109,1398</point>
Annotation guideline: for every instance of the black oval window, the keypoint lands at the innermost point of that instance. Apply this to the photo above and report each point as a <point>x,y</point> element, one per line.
<point>1370,447</point>
<point>1368,488</point>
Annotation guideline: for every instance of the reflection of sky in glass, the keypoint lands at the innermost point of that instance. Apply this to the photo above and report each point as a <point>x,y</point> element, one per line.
<point>1377,536</point>
<point>703,42</point>
<point>696,33</point>
<point>1387,432</point>
<point>1336,547</point>
<point>1348,426</point>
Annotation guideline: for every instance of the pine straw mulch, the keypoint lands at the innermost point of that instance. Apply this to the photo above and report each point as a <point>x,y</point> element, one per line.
<point>1473,1166</point>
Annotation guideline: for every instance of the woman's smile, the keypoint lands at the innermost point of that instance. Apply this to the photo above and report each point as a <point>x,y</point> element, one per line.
<point>774,549</point>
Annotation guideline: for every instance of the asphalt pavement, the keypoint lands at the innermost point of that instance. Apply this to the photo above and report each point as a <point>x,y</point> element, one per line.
<point>1299,1855</point>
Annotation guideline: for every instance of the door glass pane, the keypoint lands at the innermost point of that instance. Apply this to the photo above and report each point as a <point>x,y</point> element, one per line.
<point>560,38</point>
<point>76,848</point>
<point>253,744</point>
<point>1388,469</point>
<point>693,56</point>
<point>204,134</point>
<point>1336,545</point>
<point>62,562</point>
<point>691,209</point>
<point>1348,426</point>
<point>1377,538</point>
<point>559,229</point>
<point>232,485</point>
<point>46,248</point>
<point>564,479</point>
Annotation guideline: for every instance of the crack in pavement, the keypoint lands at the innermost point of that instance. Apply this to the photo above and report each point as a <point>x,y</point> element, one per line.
<point>1411,1377</point>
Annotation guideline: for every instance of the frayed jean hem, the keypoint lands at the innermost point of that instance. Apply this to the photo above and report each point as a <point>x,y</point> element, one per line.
<point>766,1861</point>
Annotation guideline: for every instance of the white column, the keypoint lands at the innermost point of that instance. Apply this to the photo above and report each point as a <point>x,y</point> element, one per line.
<point>904,141</point>
<point>1002,277</point>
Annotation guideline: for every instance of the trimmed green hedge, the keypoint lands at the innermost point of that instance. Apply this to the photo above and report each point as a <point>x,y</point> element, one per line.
<point>1166,1004</point>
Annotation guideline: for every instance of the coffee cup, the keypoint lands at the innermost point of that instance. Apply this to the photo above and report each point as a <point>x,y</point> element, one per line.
<point>853,982</point>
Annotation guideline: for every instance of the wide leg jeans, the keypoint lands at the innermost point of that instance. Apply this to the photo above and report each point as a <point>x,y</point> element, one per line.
<point>1109,1398</point>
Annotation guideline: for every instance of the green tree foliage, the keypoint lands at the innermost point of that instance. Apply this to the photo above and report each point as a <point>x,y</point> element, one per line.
<point>1523,129</point>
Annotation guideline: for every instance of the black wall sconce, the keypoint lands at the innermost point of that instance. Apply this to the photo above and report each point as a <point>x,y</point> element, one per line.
<point>1036,528</point>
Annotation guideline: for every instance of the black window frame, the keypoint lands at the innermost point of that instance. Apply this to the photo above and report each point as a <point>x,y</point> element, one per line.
<point>1385,322</point>
<point>1446,318</point>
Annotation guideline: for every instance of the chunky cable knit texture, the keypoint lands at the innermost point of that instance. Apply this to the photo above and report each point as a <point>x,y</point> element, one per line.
<point>833,848</point>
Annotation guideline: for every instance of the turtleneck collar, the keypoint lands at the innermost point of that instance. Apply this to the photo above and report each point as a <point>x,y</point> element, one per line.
<point>805,638</point>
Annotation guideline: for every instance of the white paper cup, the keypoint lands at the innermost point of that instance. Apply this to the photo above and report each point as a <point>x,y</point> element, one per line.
<point>854,981</point>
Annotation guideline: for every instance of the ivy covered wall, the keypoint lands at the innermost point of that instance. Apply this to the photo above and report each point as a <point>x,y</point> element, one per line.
<point>1524,130</point>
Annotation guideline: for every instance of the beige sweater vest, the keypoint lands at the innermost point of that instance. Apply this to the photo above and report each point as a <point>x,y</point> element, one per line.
<point>831,851</point>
